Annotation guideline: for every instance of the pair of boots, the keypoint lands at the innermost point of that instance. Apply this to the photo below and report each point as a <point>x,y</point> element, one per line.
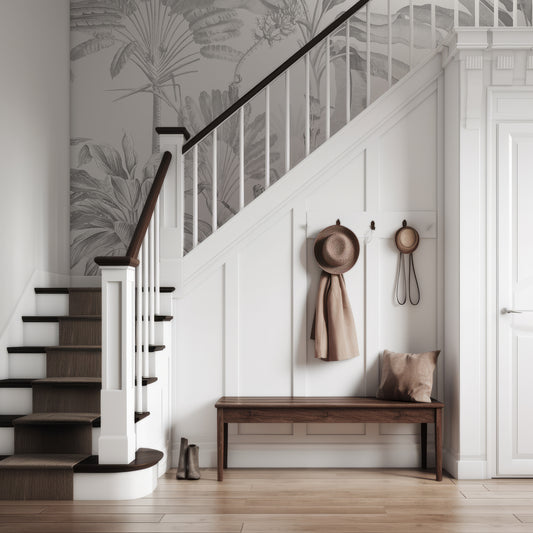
<point>188,463</point>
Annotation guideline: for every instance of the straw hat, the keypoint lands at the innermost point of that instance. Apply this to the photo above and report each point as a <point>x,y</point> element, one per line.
<point>406,239</point>
<point>336,249</point>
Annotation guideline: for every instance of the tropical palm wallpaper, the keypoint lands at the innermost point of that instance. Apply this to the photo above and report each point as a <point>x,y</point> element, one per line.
<point>139,64</point>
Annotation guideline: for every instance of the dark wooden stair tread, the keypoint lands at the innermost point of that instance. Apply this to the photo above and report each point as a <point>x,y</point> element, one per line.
<point>41,461</point>
<point>16,383</point>
<point>57,318</point>
<point>68,290</point>
<point>21,383</point>
<point>144,458</point>
<point>6,421</point>
<point>69,382</point>
<point>54,419</point>
<point>71,348</point>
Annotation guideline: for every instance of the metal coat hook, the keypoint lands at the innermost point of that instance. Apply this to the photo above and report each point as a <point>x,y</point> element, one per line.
<point>370,233</point>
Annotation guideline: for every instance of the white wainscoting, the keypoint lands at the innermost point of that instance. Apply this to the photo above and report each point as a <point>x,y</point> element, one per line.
<point>243,329</point>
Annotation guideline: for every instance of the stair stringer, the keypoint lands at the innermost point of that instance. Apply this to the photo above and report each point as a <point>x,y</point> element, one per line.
<point>308,175</point>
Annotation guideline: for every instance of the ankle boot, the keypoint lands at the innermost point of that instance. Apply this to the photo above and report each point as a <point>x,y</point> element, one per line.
<point>182,461</point>
<point>193,462</point>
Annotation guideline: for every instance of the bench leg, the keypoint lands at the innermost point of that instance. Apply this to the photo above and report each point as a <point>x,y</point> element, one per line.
<point>225,445</point>
<point>220,444</point>
<point>424,444</point>
<point>438,444</point>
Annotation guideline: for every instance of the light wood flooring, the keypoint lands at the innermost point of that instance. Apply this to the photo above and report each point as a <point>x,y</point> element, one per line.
<point>288,501</point>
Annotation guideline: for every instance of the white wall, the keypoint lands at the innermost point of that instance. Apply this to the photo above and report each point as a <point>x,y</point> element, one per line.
<point>243,322</point>
<point>34,144</point>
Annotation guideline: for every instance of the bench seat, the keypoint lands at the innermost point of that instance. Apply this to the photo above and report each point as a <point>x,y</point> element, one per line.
<point>314,409</point>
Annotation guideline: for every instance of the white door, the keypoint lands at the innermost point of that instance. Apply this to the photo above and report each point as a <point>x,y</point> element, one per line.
<point>515,299</point>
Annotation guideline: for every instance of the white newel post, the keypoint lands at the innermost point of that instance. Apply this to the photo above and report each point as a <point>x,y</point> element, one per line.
<point>172,216</point>
<point>116,444</point>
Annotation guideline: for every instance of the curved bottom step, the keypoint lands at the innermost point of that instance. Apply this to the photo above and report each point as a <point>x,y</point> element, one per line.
<point>79,477</point>
<point>93,481</point>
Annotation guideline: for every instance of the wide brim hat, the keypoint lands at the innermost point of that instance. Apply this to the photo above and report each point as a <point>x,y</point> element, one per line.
<point>336,249</point>
<point>407,239</point>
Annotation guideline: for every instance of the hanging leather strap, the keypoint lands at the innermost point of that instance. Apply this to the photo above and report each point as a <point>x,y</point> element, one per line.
<point>401,267</point>
<point>412,274</point>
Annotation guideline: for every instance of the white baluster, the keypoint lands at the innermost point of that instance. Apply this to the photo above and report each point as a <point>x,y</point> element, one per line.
<point>214,198</point>
<point>151,280</point>
<point>241,157</point>
<point>411,33</point>
<point>496,12</point>
<point>145,309</point>
<point>456,13</point>
<point>195,196</point>
<point>328,90</point>
<point>138,335</point>
<point>267,136</point>
<point>287,121</point>
<point>368,58</point>
<point>307,106</point>
<point>348,72</point>
<point>515,12</point>
<point>157,253</point>
<point>389,44</point>
<point>476,13</point>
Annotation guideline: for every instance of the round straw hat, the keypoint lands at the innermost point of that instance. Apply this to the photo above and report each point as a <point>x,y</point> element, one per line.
<point>336,249</point>
<point>407,239</point>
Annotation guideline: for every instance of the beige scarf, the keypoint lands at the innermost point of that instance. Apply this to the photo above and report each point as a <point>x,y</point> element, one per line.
<point>333,326</point>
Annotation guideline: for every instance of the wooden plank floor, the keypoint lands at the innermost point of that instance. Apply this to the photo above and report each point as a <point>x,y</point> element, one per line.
<point>295,500</point>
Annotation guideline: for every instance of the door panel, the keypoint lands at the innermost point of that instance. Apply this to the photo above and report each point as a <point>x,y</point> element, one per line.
<point>515,299</point>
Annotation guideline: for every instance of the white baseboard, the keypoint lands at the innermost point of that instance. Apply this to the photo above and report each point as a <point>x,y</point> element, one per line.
<point>471,468</point>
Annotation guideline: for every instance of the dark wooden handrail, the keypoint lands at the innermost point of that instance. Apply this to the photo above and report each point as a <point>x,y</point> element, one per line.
<point>273,75</point>
<point>131,259</point>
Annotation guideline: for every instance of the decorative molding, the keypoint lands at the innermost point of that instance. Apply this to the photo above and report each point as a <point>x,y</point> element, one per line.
<point>504,62</point>
<point>473,62</point>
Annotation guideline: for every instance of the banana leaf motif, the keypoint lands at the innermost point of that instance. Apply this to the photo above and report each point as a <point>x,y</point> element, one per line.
<point>193,115</point>
<point>107,194</point>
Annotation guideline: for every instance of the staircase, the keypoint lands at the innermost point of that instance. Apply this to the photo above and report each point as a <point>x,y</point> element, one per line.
<point>76,415</point>
<point>59,437</point>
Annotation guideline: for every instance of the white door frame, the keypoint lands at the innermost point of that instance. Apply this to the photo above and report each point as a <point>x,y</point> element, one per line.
<point>503,107</point>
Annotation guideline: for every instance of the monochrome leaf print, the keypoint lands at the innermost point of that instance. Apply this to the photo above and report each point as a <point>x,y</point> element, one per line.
<point>121,58</point>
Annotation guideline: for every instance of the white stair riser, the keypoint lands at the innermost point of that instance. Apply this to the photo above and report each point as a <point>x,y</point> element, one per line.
<point>14,401</point>
<point>52,304</point>
<point>118,486</point>
<point>27,365</point>
<point>41,333</point>
<point>7,441</point>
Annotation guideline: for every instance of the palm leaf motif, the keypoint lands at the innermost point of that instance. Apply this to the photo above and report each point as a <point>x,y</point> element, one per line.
<point>148,35</point>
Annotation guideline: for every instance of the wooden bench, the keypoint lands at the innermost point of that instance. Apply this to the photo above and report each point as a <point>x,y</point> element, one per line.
<point>260,409</point>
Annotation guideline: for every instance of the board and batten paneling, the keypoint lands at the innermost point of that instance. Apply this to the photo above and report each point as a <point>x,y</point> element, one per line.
<point>244,330</point>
